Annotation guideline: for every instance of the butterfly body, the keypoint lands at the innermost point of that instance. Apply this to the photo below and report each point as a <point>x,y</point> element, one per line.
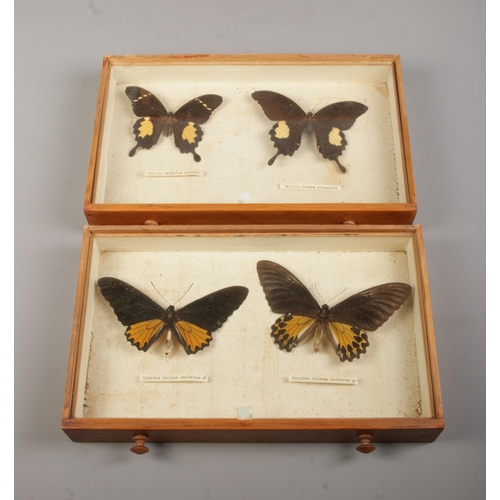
<point>328,124</point>
<point>344,325</point>
<point>192,324</point>
<point>155,121</point>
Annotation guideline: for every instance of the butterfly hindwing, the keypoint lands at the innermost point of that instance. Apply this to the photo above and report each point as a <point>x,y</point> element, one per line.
<point>289,330</point>
<point>184,123</point>
<point>196,322</point>
<point>147,131</point>
<point>348,341</point>
<point>291,121</point>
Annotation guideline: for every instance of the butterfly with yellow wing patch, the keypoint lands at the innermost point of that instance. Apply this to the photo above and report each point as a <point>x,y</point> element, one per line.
<point>184,123</point>
<point>345,324</point>
<point>328,124</point>
<point>193,324</point>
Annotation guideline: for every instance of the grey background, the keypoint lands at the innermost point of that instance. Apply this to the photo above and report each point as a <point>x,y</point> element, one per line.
<point>59,47</point>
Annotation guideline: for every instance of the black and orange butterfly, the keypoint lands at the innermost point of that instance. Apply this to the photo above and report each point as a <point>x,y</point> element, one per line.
<point>345,324</point>
<point>184,123</point>
<point>328,124</point>
<point>193,324</point>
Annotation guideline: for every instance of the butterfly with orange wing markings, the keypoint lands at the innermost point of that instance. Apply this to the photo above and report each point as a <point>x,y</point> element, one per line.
<point>154,120</point>
<point>193,324</point>
<point>345,324</point>
<point>328,124</point>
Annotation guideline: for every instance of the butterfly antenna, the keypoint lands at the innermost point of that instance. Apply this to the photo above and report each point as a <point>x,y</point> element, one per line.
<point>160,294</point>
<point>312,110</point>
<point>337,295</point>
<point>185,293</point>
<point>319,293</point>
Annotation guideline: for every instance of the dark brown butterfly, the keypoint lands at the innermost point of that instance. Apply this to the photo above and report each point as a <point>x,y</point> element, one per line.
<point>155,120</point>
<point>344,324</point>
<point>328,124</point>
<point>193,324</point>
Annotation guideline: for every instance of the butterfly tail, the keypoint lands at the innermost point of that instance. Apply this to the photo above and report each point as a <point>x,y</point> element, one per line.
<point>271,161</point>
<point>341,167</point>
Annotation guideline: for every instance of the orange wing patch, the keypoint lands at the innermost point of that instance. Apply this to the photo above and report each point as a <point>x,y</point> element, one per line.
<point>142,335</point>
<point>348,341</point>
<point>189,133</point>
<point>193,337</point>
<point>287,330</point>
<point>146,128</point>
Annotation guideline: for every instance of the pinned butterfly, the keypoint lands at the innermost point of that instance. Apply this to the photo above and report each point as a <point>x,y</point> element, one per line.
<point>193,324</point>
<point>345,324</point>
<point>329,124</point>
<point>185,123</point>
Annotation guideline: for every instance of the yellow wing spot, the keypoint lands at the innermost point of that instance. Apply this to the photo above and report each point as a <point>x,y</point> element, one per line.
<point>189,133</point>
<point>334,137</point>
<point>203,104</point>
<point>282,131</point>
<point>195,337</point>
<point>141,333</point>
<point>146,127</point>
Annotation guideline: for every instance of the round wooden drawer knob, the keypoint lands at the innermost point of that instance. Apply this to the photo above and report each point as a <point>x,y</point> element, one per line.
<point>140,444</point>
<point>366,445</point>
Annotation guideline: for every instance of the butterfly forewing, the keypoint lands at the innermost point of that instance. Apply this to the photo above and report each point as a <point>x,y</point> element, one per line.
<point>144,103</point>
<point>341,115</point>
<point>213,310</point>
<point>284,292</point>
<point>199,109</point>
<point>370,309</point>
<point>279,107</point>
<point>129,304</point>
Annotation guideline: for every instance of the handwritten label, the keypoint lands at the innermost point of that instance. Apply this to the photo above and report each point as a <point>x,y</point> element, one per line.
<point>173,378</point>
<point>174,173</point>
<point>320,379</point>
<point>312,187</point>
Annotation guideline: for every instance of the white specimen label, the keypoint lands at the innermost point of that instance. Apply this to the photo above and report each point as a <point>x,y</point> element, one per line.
<point>173,378</point>
<point>174,173</point>
<point>311,187</point>
<point>322,379</point>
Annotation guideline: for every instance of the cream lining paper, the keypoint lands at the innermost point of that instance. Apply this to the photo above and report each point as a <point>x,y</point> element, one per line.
<point>245,367</point>
<point>236,145</point>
